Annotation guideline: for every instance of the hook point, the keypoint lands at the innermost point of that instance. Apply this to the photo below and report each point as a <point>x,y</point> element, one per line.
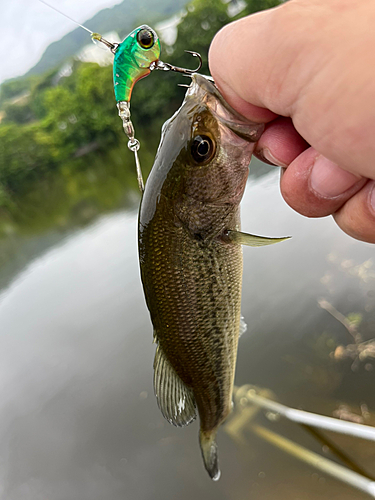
<point>198,56</point>
<point>184,71</point>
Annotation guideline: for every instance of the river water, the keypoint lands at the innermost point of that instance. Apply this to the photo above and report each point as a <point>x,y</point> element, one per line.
<point>78,416</point>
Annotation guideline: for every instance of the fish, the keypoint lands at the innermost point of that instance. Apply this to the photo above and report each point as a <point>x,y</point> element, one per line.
<point>190,254</point>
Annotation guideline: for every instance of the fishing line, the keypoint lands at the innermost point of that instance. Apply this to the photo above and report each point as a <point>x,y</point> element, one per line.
<point>68,17</point>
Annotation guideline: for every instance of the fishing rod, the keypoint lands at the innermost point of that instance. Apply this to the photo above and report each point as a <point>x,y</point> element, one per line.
<point>311,419</point>
<point>252,400</point>
<point>323,464</point>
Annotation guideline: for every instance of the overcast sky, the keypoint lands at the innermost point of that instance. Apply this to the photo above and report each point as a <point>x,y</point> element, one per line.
<point>27,27</point>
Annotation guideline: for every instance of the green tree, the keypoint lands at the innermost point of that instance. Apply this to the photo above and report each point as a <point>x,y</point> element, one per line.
<point>25,153</point>
<point>18,113</point>
<point>202,21</point>
<point>258,5</point>
<point>15,87</point>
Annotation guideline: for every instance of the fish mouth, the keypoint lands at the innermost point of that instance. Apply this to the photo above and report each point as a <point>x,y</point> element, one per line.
<point>203,88</point>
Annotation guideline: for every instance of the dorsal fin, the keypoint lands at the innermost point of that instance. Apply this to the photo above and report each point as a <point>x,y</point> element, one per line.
<point>175,399</point>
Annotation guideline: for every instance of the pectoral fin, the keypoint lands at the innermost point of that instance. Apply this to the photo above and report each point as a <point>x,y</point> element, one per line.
<point>251,240</point>
<point>175,399</point>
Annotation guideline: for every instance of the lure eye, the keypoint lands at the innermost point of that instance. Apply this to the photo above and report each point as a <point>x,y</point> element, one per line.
<point>202,148</point>
<point>145,38</point>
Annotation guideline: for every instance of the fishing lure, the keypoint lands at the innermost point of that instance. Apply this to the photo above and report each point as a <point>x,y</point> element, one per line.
<point>135,57</point>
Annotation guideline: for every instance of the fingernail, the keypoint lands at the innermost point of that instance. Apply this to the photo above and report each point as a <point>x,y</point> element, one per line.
<point>329,180</point>
<point>268,156</point>
<point>372,198</point>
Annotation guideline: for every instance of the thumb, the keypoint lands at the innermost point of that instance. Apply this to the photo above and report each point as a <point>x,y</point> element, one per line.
<point>250,61</point>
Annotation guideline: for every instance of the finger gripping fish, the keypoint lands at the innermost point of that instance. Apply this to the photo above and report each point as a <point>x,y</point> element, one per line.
<point>191,258</point>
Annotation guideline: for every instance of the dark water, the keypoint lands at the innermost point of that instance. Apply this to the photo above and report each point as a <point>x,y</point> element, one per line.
<point>78,416</point>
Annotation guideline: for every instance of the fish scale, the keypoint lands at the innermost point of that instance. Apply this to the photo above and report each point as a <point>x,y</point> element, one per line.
<point>188,306</point>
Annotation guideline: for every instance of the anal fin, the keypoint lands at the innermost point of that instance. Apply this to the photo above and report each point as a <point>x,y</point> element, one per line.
<point>175,399</point>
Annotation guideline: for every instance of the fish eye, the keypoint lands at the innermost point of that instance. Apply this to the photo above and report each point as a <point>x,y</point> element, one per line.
<point>145,38</point>
<point>202,148</point>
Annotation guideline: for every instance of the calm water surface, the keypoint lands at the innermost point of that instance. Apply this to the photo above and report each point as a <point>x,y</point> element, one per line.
<point>78,415</point>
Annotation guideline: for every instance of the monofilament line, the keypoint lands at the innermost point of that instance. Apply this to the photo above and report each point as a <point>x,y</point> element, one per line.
<point>62,13</point>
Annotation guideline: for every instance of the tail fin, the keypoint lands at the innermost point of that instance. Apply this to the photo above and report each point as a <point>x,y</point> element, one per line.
<point>209,453</point>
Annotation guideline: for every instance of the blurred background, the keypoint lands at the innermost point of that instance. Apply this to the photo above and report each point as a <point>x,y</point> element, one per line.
<point>78,415</point>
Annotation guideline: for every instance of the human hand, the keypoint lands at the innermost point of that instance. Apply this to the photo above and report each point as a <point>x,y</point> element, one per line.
<point>307,69</point>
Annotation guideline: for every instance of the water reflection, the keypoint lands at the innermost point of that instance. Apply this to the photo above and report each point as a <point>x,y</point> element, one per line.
<point>79,419</point>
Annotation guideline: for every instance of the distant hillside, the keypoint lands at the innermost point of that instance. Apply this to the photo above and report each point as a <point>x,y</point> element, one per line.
<point>120,18</point>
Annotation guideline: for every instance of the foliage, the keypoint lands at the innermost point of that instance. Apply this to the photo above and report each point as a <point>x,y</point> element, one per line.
<point>202,21</point>
<point>25,152</point>
<point>18,113</point>
<point>81,110</point>
<point>15,86</point>
<point>258,5</point>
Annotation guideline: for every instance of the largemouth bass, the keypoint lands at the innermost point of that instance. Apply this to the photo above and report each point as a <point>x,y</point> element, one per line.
<point>191,258</point>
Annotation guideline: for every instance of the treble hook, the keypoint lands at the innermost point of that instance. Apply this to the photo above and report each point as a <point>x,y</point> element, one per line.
<point>169,67</point>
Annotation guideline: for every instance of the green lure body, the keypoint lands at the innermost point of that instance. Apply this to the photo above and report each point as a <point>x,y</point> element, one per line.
<point>132,61</point>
